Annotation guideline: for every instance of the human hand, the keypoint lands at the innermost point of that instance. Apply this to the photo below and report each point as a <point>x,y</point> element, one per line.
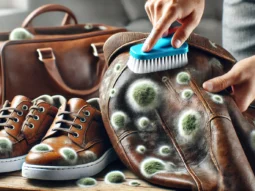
<point>162,13</point>
<point>242,79</point>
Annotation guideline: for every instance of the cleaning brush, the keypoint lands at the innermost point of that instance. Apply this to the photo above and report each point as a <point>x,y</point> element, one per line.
<point>162,57</point>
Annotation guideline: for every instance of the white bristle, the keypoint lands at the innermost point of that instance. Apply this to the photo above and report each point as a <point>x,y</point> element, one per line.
<point>157,64</point>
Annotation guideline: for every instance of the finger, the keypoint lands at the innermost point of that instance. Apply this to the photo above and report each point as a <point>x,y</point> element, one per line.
<point>184,31</point>
<point>148,11</point>
<point>158,30</point>
<point>220,83</point>
<point>243,98</point>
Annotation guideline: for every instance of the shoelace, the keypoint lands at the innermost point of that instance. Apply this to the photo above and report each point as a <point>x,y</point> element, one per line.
<point>35,117</point>
<point>70,123</point>
<point>6,117</point>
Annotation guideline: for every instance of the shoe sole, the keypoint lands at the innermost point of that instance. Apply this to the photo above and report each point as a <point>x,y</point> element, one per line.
<point>12,164</point>
<point>68,172</point>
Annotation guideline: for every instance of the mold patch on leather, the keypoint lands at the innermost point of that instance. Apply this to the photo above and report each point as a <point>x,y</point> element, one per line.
<point>118,120</point>
<point>187,94</point>
<point>86,182</point>
<point>5,145</point>
<point>143,122</point>
<point>113,92</point>
<point>87,157</point>
<point>140,149</point>
<point>69,155</point>
<point>151,166</point>
<point>142,95</point>
<point>164,150</point>
<point>189,124</point>
<point>114,177</point>
<point>41,148</point>
<point>20,34</point>
<point>134,183</point>
<point>117,68</point>
<point>217,99</point>
<point>183,78</point>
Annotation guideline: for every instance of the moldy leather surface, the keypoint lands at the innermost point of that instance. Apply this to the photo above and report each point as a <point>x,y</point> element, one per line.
<point>168,130</point>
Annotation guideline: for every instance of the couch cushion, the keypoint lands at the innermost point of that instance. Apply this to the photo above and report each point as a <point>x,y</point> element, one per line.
<point>134,9</point>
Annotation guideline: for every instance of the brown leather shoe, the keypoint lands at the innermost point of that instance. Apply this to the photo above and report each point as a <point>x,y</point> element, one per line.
<point>75,146</point>
<point>23,124</point>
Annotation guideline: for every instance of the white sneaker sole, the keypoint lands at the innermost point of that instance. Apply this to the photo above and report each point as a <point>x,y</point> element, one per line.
<point>68,172</point>
<point>12,164</point>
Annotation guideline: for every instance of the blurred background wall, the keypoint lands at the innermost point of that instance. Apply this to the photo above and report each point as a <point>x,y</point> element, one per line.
<point>128,13</point>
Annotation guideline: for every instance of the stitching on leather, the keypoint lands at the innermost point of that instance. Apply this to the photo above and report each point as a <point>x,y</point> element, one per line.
<point>178,149</point>
<point>169,86</point>
<point>13,160</point>
<point>125,134</point>
<point>211,152</point>
<point>114,81</point>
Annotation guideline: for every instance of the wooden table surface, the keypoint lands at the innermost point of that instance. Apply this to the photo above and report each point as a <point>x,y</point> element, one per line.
<point>14,181</point>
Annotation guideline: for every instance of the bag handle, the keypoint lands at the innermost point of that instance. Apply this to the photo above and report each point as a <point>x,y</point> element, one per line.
<point>50,8</point>
<point>47,57</point>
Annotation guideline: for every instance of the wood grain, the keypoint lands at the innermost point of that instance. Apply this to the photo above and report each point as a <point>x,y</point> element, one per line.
<point>14,181</point>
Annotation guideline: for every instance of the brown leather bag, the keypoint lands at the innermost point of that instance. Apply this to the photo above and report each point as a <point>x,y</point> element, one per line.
<point>168,130</point>
<point>66,60</point>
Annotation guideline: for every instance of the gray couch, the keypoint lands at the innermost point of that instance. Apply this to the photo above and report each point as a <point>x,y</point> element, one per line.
<point>128,13</point>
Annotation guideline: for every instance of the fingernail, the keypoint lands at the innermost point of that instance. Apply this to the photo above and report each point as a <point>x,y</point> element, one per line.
<point>177,43</point>
<point>208,86</point>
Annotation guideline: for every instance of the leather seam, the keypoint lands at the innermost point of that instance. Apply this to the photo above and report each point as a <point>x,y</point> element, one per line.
<point>180,152</point>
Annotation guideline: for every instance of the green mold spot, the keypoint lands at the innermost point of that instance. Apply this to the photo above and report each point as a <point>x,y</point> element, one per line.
<point>117,67</point>
<point>189,123</point>
<point>143,122</point>
<point>5,145</point>
<point>134,183</point>
<point>68,154</point>
<point>217,99</point>
<point>115,177</point>
<point>113,92</point>
<point>143,95</point>
<point>187,94</point>
<point>20,34</point>
<point>41,148</point>
<point>88,156</point>
<point>118,120</point>
<point>141,149</point>
<point>164,150</point>
<point>86,182</point>
<point>152,166</point>
<point>183,78</point>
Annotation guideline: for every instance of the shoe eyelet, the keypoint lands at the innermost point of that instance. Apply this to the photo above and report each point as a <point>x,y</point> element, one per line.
<point>31,126</point>
<point>36,117</point>
<point>16,120</point>
<point>87,113</point>
<point>76,135</point>
<point>19,113</point>
<point>83,120</point>
<point>12,127</point>
<point>25,107</point>
<point>41,109</point>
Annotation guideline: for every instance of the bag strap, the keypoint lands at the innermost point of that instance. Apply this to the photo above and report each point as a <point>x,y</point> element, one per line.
<point>47,57</point>
<point>50,8</point>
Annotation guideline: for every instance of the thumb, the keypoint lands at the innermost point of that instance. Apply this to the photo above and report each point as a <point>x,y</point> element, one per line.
<point>220,83</point>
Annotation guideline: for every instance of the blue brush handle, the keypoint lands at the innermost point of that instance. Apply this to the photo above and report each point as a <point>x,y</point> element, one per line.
<point>163,42</point>
<point>162,48</point>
